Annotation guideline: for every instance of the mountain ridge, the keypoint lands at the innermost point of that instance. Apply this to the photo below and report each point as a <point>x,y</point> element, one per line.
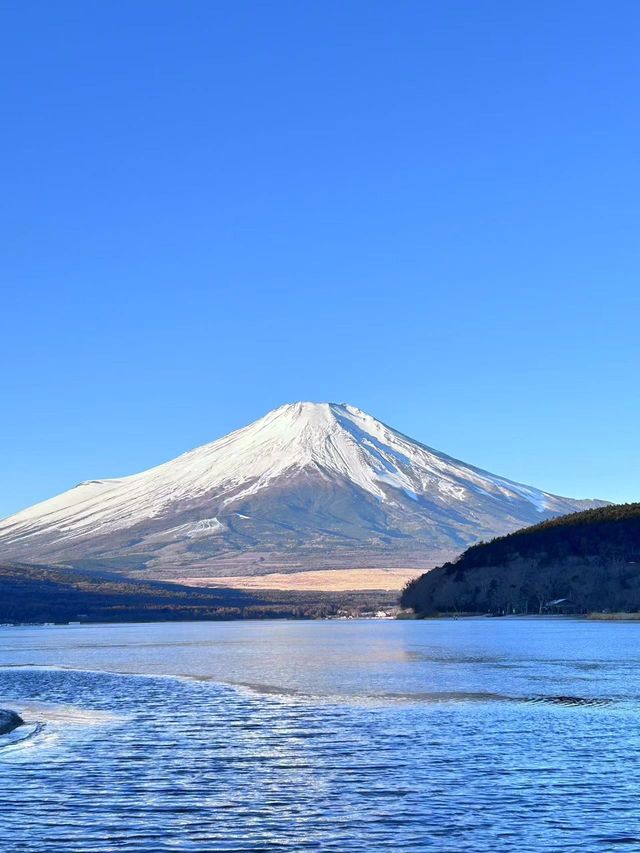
<point>309,485</point>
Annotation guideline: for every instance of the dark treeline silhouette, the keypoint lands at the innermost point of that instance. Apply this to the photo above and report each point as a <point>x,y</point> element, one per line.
<point>38,594</point>
<point>581,562</point>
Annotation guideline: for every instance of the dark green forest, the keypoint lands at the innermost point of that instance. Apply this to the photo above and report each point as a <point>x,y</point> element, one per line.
<point>586,561</point>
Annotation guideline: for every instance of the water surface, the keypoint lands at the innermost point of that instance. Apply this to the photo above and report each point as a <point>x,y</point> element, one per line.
<point>483,735</point>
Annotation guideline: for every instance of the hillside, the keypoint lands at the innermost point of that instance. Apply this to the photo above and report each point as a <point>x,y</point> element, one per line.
<point>49,594</point>
<point>591,559</point>
<point>309,486</point>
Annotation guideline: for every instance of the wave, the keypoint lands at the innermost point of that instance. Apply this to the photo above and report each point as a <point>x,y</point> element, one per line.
<point>424,697</point>
<point>73,715</point>
<point>25,737</point>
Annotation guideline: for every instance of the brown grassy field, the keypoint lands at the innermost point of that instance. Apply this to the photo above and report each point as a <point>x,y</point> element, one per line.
<point>614,617</point>
<point>329,580</point>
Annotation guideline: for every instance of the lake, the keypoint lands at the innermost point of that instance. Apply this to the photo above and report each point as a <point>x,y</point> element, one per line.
<point>447,735</point>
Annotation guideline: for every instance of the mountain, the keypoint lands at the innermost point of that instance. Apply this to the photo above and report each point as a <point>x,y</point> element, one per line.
<point>585,561</point>
<point>310,485</point>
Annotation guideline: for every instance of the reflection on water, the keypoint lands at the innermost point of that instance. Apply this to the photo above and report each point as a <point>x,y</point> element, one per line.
<point>465,735</point>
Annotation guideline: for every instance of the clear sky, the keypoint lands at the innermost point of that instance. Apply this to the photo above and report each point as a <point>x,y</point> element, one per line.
<point>429,210</point>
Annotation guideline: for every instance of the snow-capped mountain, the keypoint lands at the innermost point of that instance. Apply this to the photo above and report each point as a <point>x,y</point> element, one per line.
<point>310,485</point>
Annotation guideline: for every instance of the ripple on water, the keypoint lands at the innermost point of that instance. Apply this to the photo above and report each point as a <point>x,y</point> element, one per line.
<point>144,763</point>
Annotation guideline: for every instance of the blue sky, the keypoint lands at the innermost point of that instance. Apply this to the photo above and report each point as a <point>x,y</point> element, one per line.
<point>429,210</point>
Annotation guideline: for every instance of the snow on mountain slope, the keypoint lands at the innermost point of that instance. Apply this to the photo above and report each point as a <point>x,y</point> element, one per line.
<point>308,485</point>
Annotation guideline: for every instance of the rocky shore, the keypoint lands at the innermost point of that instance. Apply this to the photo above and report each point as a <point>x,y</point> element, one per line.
<point>9,721</point>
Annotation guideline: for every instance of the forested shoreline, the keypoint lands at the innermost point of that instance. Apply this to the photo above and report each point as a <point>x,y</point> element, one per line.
<point>587,561</point>
<point>37,594</point>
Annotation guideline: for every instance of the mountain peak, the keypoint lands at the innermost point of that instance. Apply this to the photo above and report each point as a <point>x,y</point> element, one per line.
<point>311,412</point>
<point>306,476</point>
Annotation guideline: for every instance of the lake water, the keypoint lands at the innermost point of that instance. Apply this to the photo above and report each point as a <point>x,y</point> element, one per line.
<point>449,735</point>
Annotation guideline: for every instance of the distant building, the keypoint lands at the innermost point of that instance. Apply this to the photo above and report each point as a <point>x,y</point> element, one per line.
<point>559,605</point>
